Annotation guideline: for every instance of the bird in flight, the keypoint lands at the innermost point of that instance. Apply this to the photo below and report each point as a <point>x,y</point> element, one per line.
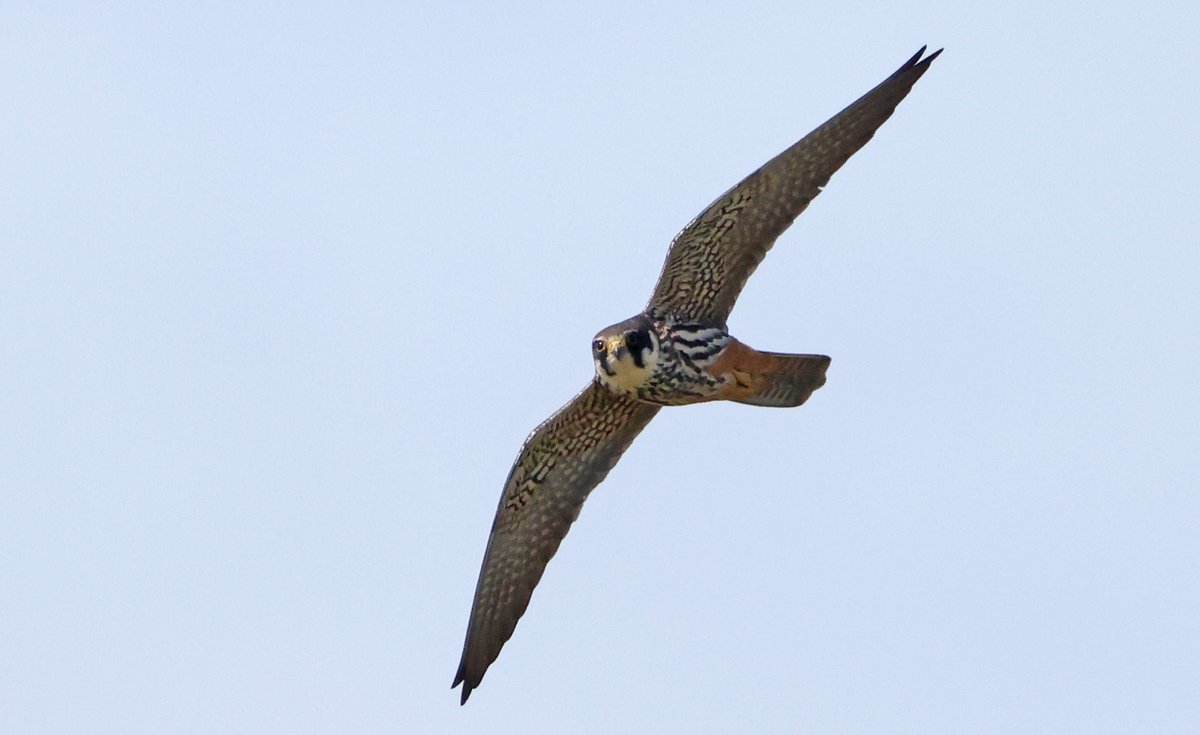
<point>675,352</point>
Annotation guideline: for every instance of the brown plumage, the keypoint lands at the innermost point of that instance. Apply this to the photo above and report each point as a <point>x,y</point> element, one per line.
<point>677,351</point>
<point>710,259</point>
<point>768,378</point>
<point>560,463</point>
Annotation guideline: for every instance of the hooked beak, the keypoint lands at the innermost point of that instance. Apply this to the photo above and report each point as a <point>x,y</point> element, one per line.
<point>612,355</point>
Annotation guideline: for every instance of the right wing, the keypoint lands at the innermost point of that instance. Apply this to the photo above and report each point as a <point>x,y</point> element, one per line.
<point>559,464</point>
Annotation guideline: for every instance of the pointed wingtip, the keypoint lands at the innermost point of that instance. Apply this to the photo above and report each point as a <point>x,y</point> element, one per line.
<point>916,66</point>
<point>917,58</point>
<point>467,687</point>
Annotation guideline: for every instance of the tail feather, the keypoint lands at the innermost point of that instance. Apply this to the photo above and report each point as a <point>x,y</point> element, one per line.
<point>771,378</point>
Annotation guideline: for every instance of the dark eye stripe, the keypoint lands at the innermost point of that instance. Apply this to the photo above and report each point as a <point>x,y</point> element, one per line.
<point>638,342</point>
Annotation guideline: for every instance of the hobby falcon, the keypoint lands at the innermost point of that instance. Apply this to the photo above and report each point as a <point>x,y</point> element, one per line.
<point>676,352</point>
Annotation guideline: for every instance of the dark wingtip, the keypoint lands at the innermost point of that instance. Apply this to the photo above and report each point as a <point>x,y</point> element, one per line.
<point>460,678</point>
<point>916,59</point>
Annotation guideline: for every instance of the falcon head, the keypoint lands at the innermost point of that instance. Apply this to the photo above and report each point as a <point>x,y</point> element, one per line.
<point>626,354</point>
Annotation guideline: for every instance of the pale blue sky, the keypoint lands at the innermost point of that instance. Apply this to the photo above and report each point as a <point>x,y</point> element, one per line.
<point>284,288</point>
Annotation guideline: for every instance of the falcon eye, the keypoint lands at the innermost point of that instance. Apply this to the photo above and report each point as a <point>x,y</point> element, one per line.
<point>598,345</point>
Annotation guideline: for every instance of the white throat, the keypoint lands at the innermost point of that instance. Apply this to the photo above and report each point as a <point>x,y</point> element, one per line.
<point>626,377</point>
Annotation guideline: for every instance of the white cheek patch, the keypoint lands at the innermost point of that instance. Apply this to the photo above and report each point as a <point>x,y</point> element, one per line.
<point>627,377</point>
<point>650,357</point>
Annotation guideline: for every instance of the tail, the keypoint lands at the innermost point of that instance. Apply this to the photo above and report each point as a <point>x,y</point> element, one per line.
<point>770,378</point>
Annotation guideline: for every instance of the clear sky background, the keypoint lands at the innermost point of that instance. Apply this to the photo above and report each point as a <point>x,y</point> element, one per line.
<point>283,288</point>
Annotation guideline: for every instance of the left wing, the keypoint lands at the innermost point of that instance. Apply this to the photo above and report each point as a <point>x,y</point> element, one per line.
<point>559,464</point>
<point>709,261</point>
